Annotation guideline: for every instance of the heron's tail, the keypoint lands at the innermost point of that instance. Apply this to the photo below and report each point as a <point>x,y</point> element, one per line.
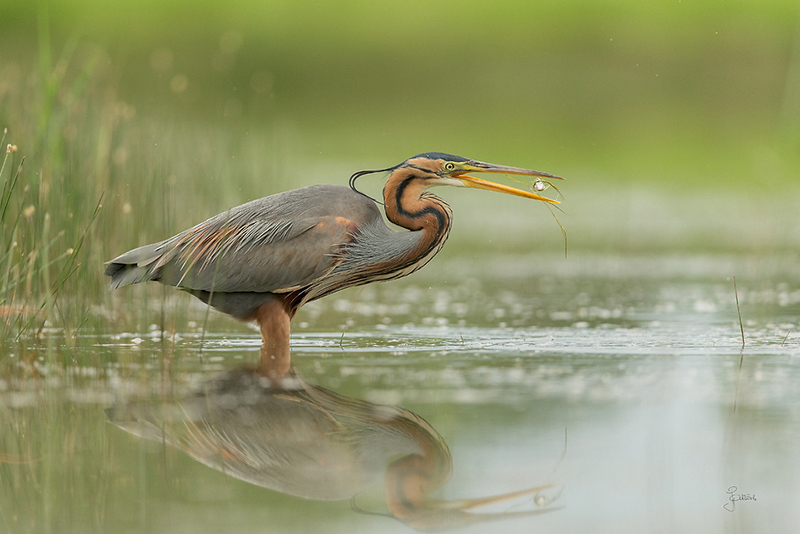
<point>137,265</point>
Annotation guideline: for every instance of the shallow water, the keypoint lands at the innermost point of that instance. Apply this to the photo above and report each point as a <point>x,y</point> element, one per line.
<point>621,381</point>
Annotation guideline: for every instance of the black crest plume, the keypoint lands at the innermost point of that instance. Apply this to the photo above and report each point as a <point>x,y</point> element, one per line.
<point>359,174</point>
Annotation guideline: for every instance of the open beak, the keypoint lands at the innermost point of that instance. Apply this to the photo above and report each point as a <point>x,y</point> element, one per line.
<point>479,183</point>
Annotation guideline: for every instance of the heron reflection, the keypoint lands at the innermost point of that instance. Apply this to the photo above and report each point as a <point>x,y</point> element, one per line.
<point>298,438</point>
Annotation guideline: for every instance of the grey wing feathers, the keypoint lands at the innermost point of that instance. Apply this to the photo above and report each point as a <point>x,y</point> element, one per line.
<point>196,251</point>
<point>253,247</point>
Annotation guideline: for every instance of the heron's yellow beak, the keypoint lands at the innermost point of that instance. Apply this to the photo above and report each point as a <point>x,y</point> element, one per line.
<point>478,183</point>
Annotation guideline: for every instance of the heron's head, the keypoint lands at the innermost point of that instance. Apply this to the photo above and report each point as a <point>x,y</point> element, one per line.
<point>437,168</point>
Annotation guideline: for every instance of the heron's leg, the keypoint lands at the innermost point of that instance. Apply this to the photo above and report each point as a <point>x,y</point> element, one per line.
<point>274,320</point>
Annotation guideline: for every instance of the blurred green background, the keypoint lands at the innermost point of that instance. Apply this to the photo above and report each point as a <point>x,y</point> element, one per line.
<point>697,91</point>
<point>677,123</point>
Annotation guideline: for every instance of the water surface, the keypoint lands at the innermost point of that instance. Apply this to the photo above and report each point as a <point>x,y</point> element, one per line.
<point>620,381</point>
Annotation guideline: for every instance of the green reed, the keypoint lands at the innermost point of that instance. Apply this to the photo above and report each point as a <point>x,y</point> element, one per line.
<point>84,178</point>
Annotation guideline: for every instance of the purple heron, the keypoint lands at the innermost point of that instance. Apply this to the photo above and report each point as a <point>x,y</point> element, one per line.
<point>264,259</point>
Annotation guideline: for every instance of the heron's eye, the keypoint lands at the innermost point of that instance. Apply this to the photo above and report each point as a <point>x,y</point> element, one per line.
<point>449,166</point>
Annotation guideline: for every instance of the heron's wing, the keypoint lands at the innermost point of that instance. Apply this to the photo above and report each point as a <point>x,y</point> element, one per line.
<point>241,258</point>
<point>275,244</point>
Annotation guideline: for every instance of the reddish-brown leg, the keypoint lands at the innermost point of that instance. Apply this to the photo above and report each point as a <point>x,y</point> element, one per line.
<point>274,320</point>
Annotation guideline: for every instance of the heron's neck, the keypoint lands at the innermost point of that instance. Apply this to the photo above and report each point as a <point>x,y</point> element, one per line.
<point>410,205</point>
